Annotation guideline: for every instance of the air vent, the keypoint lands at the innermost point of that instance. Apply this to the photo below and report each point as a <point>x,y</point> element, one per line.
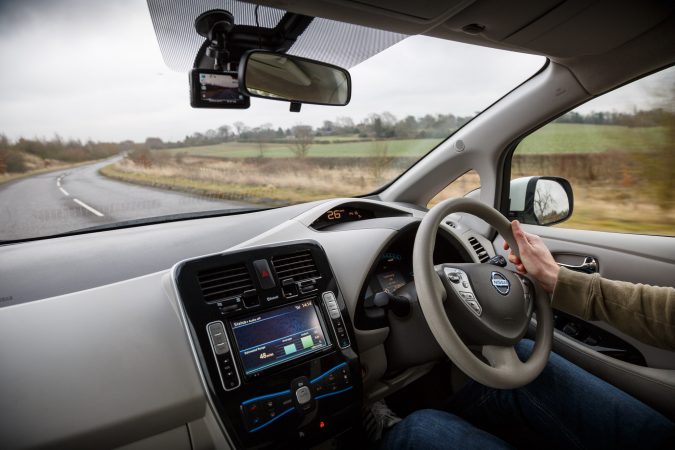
<point>296,266</point>
<point>479,249</point>
<point>222,283</point>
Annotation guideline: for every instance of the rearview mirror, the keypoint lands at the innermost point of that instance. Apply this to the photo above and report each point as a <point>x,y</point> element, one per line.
<point>540,200</point>
<point>279,76</point>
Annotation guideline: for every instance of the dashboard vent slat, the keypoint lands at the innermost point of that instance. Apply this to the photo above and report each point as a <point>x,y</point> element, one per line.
<point>480,251</point>
<point>222,283</point>
<point>297,266</point>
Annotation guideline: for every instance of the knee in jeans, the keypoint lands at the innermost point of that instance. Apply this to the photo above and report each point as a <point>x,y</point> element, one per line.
<point>422,416</point>
<point>524,349</point>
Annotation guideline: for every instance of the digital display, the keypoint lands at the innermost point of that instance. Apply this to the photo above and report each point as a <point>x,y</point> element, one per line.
<point>216,89</point>
<point>390,281</point>
<point>219,88</point>
<point>341,215</point>
<point>273,337</point>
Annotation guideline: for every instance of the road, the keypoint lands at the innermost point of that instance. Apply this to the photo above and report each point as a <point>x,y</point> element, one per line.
<point>80,197</point>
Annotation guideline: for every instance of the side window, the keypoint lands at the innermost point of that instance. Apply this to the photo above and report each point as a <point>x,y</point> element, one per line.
<point>618,152</point>
<point>461,186</point>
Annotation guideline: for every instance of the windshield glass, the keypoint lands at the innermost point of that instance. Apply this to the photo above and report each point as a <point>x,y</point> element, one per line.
<point>95,128</point>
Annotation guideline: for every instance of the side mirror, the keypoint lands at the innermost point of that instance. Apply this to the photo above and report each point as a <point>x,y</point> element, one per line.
<point>540,200</point>
<point>290,78</point>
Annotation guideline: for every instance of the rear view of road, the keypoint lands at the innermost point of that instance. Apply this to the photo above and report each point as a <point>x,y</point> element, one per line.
<point>80,197</point>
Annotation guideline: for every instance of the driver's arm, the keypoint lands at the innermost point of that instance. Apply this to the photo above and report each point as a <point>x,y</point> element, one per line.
<point>645,312</point>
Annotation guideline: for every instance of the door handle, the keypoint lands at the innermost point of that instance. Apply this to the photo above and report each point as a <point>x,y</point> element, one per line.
<point>590,265</point>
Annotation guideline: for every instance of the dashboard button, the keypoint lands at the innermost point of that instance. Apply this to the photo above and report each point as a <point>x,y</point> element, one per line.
<point>218,338</point>
<point>303,395</point>
<point>262,270</point>
<point>221,348</point>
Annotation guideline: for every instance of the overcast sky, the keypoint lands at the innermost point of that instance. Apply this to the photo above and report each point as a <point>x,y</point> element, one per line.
<point>87,69</point>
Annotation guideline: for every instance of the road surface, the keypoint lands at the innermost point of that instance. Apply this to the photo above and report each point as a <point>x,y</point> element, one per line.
<point>80,197</point>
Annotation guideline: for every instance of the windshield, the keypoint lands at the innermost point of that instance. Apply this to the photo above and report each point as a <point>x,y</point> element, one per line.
<point>96,129</point>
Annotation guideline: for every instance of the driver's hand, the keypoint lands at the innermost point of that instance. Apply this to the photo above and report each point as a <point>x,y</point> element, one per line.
<point>535,258</point>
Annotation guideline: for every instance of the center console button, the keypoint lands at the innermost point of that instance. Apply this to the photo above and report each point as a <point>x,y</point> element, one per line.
<point>218,338</point>
<point>303,395</point>
<point>262,270</point>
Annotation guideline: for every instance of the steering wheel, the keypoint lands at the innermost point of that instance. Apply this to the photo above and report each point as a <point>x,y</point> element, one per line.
<point>490,306</point>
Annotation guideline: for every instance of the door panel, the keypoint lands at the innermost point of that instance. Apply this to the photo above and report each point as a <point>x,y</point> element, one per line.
<point>627,257</point>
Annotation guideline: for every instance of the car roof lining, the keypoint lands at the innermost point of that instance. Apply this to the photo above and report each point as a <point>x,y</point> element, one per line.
<point>593,38</point>
<point>339,43</point>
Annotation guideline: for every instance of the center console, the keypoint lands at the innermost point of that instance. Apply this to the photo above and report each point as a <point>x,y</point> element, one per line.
<point>275,344</point>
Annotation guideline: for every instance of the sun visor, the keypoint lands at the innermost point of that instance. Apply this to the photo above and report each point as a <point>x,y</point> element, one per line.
<point>342,44</point>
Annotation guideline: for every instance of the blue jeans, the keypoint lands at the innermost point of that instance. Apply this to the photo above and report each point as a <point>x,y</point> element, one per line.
<point>565,406</point>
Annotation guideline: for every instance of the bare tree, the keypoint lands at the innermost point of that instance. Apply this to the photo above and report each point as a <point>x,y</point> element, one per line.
<point>303,138</point>
<point>543,201</point>
<point>379,159</point>
<point>224,132</point>
<point>240,127</point>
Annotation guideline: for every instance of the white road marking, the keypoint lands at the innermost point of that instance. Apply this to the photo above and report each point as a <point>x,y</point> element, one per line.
<point>58,182</point>
<point>64,192</point>
<point>87,207</point>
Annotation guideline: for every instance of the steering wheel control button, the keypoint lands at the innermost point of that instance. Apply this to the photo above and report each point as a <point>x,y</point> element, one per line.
<point>462,289</point>
<point>467,296</point>
<point>454,277</point>
<point>262,270</point>
<point>498,260</point>
<point>303,395</point>
<point>500,283</point>
<point>475,306</point>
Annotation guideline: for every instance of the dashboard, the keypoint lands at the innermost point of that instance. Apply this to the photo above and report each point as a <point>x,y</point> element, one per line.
<point>279,358</point>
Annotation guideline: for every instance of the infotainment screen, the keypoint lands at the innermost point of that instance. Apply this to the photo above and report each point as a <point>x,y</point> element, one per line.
<point>273,337</point>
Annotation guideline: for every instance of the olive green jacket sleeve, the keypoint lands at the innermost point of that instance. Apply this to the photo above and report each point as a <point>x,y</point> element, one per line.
<point>644,312</point>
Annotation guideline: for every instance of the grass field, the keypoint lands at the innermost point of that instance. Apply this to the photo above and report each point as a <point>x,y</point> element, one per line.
<point>604,163</point>
<point>37,166</point>
<point>396,148</point>
<point>554,138</point>
<point>584,138</point>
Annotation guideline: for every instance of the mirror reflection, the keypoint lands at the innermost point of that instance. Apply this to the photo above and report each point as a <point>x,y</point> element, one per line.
<point>286,77</point>
<point>551,203</point>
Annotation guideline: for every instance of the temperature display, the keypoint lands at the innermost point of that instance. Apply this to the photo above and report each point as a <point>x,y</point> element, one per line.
<point>341,215</point>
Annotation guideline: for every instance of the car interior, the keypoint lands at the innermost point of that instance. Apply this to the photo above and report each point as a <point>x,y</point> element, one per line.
<point>185,334</point>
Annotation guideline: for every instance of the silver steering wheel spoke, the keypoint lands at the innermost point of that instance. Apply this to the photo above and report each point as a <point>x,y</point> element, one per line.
<point>501,357</point>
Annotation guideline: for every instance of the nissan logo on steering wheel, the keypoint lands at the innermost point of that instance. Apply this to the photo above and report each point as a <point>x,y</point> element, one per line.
<point>500,283</point>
